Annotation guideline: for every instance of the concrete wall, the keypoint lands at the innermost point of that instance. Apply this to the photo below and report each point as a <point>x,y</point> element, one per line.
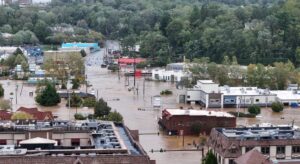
<point>261,100</point>
<point>192,95</point>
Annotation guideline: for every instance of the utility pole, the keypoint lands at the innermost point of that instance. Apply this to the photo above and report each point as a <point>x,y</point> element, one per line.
<point>16,93</point>
<point>134,71</point>
<point>69,103</point>
<point>97,94</point>
<point>144,87</point>
<point>86,84</point>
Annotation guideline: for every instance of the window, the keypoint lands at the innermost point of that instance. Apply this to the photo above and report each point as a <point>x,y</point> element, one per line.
<point>296,149</point>
<point>2,142</point>
<point>280,150</point>
<point>58,142</point>
<point>231,161</point>
<point>188,96</point>
<point>75,142</point>
<point>265,150</point>
<point>257,100</point>
<point>18,142</point>
<point>249,148</point>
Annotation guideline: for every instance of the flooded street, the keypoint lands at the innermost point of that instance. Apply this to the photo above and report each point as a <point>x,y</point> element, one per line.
<point>113,89</point>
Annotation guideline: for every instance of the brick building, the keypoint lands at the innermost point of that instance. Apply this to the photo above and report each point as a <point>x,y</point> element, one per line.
<point>277,143</point>
<point>176,120</point>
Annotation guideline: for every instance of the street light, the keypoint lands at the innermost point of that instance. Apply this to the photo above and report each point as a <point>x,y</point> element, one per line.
<point>11,98</point>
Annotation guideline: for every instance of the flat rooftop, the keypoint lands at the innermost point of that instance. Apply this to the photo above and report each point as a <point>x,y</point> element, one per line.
<point>179,112</point>
<point>287,95</point>
<point>244,91</point>
<point>206,82</point>
<point>261,133</point>
<point>105,135</point>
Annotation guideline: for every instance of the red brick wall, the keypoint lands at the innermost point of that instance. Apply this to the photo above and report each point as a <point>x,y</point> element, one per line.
<point>207,123</point>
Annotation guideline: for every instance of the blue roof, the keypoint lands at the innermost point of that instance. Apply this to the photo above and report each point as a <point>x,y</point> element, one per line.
<point>81,45</point>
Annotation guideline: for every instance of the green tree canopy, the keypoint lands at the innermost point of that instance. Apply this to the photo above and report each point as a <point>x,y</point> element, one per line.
<point>115,116</point>
<point>277,107</point>
<point>48,96</point>
<point>101,108</point>
<point>210,158</point>
<point>1,91</point>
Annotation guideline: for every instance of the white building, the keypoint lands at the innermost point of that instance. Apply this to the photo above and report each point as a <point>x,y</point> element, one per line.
<point>174,72</point>
<point>205,92</point>
<point>165,75</point>
<point>287,97</point>
<point>209,94</point>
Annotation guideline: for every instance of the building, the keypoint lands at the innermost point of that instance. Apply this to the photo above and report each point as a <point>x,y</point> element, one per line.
<point>174,72</point>
<point>288,97</point>
<point>278,143</point>
<point>61,55</point>
<point>130,61</point>
<point>176,120</point>
<point>51,142</point>
<point>65,94</point>
<point>210,95</point>
<point>87,47</point>
<point>205,92</point>
<point>37,115</point>
<point>171,75</point>
<point>253,157</point>
<point>5,115</point>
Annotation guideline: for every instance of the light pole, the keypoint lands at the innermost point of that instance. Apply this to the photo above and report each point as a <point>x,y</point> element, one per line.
<point>86,84</point>
<point>16,93</point>
<point>69,102</point>
<point>11,105</point>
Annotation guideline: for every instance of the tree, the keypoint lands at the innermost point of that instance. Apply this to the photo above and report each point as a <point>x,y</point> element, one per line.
<point>75,101</point>
<point>210,158</point>
<point>196,128</point>
<point>1,91</point>
<point>115,116</point>
<point>277,107</point>
<point>4,104</point>
<point>76,83</point>
<point>89,102</point>
<point>41,30</point>
<point>83,53</point>
<point>101,108</point>
<point>18,51</point>
<point>79,116</point>
<point>254,109</point>
<point>21,116</point>
<point>48,96</point>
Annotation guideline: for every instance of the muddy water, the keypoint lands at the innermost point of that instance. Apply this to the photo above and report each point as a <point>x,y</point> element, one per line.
<point>115,92</point>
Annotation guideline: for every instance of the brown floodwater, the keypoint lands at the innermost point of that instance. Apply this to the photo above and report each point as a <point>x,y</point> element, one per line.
<point>113,89</point>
